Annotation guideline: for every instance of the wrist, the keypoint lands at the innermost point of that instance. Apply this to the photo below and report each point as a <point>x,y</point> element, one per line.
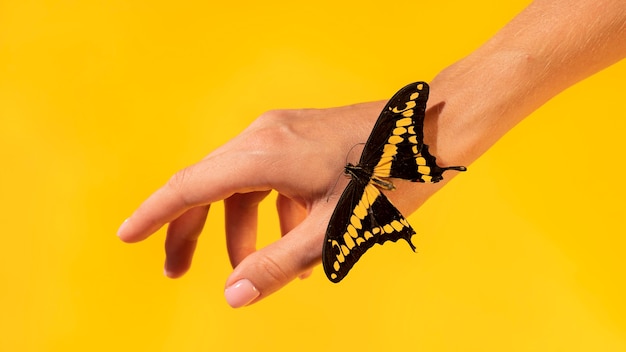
<point>476,101</point>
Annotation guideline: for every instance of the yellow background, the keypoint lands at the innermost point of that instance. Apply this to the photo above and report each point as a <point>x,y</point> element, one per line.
<point>101,101</point>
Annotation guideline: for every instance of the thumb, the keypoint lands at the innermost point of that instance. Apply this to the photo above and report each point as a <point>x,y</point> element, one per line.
<point>265,271</point>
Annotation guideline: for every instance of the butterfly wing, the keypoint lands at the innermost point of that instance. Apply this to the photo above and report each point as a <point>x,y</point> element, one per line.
<point>396,146</point>
<point>363,217</point>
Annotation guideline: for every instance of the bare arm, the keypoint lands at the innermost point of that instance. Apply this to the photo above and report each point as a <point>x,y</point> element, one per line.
<point>548,47</point>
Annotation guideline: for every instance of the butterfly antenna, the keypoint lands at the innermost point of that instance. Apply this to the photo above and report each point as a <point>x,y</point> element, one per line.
<point>332,189</point>
<point>337,180</point>
<point>350,151</point>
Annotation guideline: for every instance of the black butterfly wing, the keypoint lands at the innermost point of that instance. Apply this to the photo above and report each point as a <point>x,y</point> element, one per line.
<point>363,217</point>
<point>395,149</point>
<point>396,146</point>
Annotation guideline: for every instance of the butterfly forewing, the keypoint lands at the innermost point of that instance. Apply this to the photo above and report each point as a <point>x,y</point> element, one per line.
<point>401,119</point>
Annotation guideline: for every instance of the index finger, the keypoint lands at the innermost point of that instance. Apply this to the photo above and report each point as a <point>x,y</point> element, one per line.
<point>210,180</point>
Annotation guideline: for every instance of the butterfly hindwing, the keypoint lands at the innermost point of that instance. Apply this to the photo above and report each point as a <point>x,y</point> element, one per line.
<point>363,217</point>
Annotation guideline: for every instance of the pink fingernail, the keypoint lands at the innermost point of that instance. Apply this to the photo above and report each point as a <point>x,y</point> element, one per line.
<point>241,293</point>
<point>121,228</point>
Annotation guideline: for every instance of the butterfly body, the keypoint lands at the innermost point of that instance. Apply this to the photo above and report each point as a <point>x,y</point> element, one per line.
<point>364,176</point>
<point>364,216</point>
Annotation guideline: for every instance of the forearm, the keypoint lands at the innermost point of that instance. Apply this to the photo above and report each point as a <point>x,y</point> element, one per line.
<point>548,47</point>
<point>537,55</point>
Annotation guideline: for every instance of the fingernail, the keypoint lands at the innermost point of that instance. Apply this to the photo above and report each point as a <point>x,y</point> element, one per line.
<point>241,293</point>
<point>121,228</point>
<point>168,273</point>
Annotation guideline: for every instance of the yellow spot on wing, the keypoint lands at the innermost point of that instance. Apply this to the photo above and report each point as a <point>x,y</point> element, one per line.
<point>371,193</point>
<point>348,240</point>
<point>425,170</point>
<point>340,257</point>
<point>390,149</point>
<point>420,160</point>
<point>352,231</point>
<point>409,105</point>
<point>385,159</point>
<point>413,139</point>
<point>395,139</point>
<point>399,130</point>
<point>356,222</point>
<point>360,211</point>
<point>414,95</point>
<point>404,122</point>
<point>387,228</point>
<point>383,170</point>
<point>397,225</point>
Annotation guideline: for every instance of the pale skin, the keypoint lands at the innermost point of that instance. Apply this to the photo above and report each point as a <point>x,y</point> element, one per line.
<point>548,47</point>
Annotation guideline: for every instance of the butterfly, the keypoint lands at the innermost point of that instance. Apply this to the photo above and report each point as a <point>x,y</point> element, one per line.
<point>364,216</point>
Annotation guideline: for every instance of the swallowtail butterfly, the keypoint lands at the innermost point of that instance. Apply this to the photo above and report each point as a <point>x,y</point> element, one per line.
<point>395,149</point>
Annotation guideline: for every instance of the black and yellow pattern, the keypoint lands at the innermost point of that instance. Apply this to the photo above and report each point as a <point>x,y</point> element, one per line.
<point>395,149</point>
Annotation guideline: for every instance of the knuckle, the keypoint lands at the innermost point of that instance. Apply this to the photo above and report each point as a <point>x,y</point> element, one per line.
<point>177,180</point>
<point>276,273</point>
<point>177,184</point>
<point>274,130</point>
<point>274,116</point>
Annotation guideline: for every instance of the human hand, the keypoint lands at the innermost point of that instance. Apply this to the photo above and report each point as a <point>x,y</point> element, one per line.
<point>298,153</point>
